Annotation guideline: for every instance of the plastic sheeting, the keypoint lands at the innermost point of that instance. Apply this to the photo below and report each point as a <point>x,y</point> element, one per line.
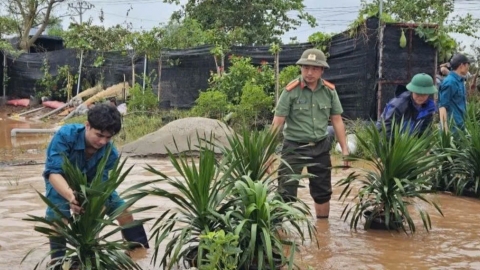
<point>353,69</point>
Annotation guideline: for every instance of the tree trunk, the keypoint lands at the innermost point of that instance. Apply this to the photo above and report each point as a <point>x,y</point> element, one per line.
<point>159,77</point>
<point>133,71</point>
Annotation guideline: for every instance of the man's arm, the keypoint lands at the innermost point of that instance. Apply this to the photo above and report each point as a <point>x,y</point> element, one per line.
<point>444,97</point>
<point>277,123</point>
<point>339,128</point>
<point>442,111</point>
<point>58,147</point>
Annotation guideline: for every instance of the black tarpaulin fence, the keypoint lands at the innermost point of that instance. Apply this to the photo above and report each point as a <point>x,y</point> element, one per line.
<point>353,69</point>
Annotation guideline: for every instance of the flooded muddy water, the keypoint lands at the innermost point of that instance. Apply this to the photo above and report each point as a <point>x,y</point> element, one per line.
<point>22,140</point>
<point>451,244</point>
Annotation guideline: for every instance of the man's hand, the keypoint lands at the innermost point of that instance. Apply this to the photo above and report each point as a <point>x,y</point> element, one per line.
<point>269,164</point>
<point>77,209</point>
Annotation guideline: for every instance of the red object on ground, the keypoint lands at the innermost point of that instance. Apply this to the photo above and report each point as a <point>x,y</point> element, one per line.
<point>19,102</point>
<point>53,104</point>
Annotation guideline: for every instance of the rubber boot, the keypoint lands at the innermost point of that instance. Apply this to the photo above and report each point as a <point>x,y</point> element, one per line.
<point>58,245</point>
<point>136,236</point>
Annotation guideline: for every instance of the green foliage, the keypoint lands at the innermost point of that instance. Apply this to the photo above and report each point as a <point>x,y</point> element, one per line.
<point>248,152</point>
<point>466,159</point>
<point>239,73</point>
<point>211,104</point>
<point>254,104</point>
<point>48,82</point>
<point>145,43</point>
<point>90,37</point>
<point>288,74</point>
<point>321,41</point>
<point>428,12</point>
<point>215,196</point>
<point>199,198</point>
<point>87,234</point>
<point>259,21</point>
<point>58,86</point>
<point>187,33</point>
<point>222,250</point>
<point>259,218</point>
<point>398,171</point>
<point>27,15</point>
<point>140,99</point>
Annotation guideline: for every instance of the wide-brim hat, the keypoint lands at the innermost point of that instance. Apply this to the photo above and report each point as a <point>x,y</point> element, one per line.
<point>422,84</point>
<point>313,57</point>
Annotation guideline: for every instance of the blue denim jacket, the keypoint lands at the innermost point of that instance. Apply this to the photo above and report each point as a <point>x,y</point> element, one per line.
<point>453,97</point>
<point>414,119</point>
<point>70,140</point>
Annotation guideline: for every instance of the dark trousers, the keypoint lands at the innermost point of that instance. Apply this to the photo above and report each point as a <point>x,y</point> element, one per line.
<point>317,159</point>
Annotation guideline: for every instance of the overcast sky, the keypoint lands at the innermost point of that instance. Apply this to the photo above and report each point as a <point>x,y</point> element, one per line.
<point>332,16</point>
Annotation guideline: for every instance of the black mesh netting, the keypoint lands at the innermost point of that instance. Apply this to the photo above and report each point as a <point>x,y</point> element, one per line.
<point>353,68</point>
<point>399,64</point>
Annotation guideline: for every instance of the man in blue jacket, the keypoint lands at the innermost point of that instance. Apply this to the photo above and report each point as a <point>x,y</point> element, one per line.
<point>85,145</point>
<point>452,100</point>
<point>414,106</point>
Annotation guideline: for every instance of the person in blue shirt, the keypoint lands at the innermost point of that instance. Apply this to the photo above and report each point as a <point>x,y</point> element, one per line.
<point>85,145</point>
<point>452,100</point>
<point>414,106</point>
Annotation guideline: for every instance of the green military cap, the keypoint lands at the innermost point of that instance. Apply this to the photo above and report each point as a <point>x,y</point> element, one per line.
<point>422,84</point>
<point>313,57</point>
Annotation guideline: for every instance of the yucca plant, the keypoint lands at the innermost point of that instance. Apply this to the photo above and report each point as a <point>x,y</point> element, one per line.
<point>87,234</point>
<point>249,153</point>
<point>447,150</point>
<point>255,221</point>
<point>466,165</point>
<point>199,197</point>
<point>398,172</point>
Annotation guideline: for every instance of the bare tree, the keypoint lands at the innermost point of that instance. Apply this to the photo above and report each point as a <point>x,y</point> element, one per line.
<point>29,14</point>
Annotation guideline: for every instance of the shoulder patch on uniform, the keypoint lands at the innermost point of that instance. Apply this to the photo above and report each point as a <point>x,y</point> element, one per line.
<point>329,85</point>
<point>292,85</point>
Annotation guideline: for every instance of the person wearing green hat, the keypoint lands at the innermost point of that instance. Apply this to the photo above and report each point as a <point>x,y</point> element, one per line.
<point>304,109</point>
<point>414,106</point>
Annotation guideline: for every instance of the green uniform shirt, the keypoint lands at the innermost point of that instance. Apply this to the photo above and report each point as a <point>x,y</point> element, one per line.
<point>307,112</point>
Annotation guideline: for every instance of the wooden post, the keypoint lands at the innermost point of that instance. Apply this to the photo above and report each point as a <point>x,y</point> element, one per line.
<point>277,76</point>
<point>80,72</point>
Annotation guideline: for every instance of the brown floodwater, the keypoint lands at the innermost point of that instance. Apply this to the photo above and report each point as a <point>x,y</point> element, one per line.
<point>24,145</point>
<point>453,242</point>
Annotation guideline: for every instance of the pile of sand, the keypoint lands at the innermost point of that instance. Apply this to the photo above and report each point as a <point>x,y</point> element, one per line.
<point>179,132</point>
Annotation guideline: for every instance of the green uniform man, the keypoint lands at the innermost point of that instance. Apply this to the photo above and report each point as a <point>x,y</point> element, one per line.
<point>303,109</point>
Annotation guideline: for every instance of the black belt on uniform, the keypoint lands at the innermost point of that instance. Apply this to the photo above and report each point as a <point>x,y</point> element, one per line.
<point>306,143</point>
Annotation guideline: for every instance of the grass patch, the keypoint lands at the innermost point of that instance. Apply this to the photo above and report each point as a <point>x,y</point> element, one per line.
<point>134,126</point>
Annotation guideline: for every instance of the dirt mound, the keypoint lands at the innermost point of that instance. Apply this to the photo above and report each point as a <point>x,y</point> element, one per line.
<point>179,132</point>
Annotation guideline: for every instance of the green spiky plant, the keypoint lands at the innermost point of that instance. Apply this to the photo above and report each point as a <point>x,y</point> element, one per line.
<point>260,213</point>
<point>215,195</point>
<point>248,153</point>
<point>199,197</point>
<point>87,234</point>
<point>447,149</point>
<point>397,172</point>
<point>466,164</point>
<point>266,225</point>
